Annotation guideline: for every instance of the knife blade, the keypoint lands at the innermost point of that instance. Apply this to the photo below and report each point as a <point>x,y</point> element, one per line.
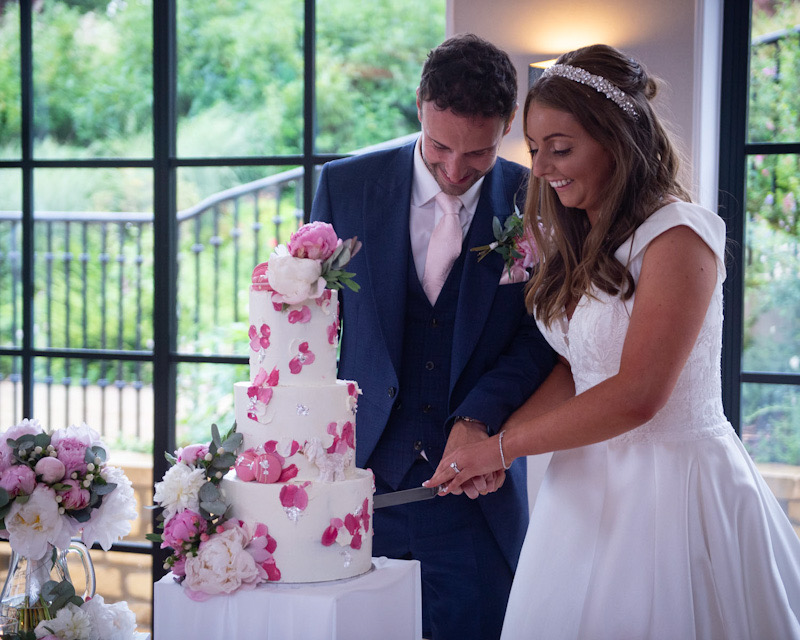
<point>402,497</point>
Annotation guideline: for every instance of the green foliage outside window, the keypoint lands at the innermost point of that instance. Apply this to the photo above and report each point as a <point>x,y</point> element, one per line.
<point>771,413</point>
<point>240,88</point>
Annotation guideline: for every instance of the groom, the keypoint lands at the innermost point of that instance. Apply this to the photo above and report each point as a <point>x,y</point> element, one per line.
<point>442,351</point>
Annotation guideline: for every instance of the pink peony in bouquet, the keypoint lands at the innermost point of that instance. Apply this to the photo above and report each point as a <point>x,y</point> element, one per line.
<point>56,486</point>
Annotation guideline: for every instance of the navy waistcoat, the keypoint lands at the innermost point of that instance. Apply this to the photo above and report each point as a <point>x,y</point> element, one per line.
<point>416,424</point>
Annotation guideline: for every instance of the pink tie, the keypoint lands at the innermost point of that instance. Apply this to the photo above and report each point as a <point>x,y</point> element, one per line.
<point>444,246</point>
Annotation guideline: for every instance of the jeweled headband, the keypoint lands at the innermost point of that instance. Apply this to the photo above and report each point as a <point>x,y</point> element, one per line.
<point>598,83</point>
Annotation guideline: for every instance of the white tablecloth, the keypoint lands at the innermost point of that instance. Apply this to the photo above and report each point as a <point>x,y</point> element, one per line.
<point>384,603</point>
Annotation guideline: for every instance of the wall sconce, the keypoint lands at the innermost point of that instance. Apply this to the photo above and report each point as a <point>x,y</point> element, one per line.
<point>535,69</point>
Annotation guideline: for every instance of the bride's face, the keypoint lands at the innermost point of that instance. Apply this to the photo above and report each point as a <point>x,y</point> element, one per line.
<point>576,166</point>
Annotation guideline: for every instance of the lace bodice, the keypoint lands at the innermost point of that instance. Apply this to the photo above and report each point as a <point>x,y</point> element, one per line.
<point>592,340</point>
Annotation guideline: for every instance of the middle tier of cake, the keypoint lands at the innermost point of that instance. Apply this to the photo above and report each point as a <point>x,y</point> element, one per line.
<point>312,429</point>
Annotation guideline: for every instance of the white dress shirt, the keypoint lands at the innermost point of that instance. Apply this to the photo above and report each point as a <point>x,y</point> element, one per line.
<point>425,213</point>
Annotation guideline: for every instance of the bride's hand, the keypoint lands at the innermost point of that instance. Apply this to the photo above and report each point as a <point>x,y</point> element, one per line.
<point>467,462</point>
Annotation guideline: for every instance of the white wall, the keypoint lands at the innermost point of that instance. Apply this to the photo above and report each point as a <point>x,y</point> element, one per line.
<point>677,40</point>
<point>672,38</point>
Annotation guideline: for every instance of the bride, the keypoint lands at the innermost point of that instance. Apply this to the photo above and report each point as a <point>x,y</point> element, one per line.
<point>652,521</point>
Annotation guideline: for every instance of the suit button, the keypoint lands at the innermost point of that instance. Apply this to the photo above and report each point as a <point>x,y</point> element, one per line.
<point>429,365</point>
<point>434,322</point>
<point>426,408</point>
<point>418,445</point>
<point>391,392</point>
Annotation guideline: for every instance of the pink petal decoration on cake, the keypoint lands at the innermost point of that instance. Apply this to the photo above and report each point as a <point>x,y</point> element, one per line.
<point>259,338</point>
<point>355,543</point>
<point>304,357</point>
<point>329,535</point>
<point>301,316</point>
<point>333,332</point>
<point>293,495</point>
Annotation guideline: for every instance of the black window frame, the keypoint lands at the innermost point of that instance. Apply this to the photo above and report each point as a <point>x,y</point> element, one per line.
<point>164,164</point>
<point>734,149</point>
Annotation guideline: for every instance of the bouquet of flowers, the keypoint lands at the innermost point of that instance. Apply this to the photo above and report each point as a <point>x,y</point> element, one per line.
<point>74,619</point>
<point>515,244</point>
<point>211,554</point>
<point>56,486</point>
<point>313,260</point>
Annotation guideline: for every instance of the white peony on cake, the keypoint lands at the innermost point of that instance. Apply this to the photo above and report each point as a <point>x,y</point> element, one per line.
<point>295,471</point>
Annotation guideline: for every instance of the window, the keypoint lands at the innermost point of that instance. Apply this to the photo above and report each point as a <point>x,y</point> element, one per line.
<point>151,154</point>
<point>759,196</point>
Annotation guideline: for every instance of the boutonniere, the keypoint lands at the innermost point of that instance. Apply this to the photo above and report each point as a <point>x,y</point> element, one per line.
<point>515,246</point>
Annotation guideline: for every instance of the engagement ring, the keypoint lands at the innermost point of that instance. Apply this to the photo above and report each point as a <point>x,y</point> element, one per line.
<point>454,467</point>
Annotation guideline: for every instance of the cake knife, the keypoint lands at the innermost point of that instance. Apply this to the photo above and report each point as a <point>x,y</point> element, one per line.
<point>402,497</point>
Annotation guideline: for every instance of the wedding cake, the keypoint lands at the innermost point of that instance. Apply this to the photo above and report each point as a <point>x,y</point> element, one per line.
<point>295,470</point>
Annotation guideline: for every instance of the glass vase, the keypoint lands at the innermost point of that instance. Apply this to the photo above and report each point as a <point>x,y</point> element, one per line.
<point>21,597</point>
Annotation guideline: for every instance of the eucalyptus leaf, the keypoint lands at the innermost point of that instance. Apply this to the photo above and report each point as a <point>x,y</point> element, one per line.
<point>233,442</point>
<point>215,435</point>
<point>208,492</point>
<point>84,515</point>
<point>497,228</point>
<point>215,507</point>
<point>96,452</point>
<point>224,461</point>
<point>105,488</point>
<point>41,440</point>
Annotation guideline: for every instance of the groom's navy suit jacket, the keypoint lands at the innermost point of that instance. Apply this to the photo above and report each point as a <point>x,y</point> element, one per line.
<point>498,355</point>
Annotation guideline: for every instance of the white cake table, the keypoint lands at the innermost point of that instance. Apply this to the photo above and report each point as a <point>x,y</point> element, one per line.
<point>385,602</point>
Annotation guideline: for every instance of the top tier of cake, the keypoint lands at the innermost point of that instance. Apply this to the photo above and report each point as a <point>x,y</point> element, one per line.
<point>293,344</point>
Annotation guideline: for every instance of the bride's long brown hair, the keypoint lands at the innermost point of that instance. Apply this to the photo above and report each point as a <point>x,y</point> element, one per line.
<point>574,256</point>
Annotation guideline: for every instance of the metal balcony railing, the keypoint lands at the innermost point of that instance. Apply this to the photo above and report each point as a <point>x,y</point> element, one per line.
<point>93,293</point>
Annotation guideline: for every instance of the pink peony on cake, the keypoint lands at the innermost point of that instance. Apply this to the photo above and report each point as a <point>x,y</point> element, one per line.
<point>295,470</point>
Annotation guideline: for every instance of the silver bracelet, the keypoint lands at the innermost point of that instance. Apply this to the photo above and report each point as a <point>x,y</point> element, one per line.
<point>502,457</point>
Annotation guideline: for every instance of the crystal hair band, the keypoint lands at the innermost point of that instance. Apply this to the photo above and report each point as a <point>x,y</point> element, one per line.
<point>598,83</point>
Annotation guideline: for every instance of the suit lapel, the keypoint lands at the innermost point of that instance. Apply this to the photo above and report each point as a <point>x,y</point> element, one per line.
<point>386,245</point>
<point>480,280</point>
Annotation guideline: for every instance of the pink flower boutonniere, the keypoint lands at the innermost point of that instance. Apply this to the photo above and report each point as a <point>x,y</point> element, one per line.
<point>515,245</point>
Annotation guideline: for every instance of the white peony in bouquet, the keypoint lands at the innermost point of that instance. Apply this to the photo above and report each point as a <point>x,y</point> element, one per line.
<point>57,486</point>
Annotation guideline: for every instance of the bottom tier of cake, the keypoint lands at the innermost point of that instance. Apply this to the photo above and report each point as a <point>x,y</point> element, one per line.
<point>322,530</point>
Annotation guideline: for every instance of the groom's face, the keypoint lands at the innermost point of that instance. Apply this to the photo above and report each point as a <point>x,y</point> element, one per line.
<point>459,150</point>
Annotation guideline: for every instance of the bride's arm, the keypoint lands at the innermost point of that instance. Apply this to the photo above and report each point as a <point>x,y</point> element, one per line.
<point>557,388</point>
<point>672,296</point>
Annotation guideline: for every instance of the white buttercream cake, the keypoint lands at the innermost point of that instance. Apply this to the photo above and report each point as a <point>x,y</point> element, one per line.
<point>296,469</point>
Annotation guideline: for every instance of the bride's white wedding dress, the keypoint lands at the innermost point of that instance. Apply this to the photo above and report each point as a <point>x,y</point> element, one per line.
<point>667,531</point>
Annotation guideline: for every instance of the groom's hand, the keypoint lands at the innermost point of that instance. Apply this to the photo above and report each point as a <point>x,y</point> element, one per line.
<point>464,433</point>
